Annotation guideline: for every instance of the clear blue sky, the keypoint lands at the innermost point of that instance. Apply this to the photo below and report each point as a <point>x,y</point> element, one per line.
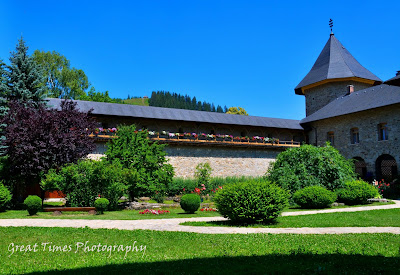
<point>235,53</point>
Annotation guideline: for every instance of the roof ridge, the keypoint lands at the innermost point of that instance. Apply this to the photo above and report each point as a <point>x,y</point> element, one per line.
<point>341,55</point>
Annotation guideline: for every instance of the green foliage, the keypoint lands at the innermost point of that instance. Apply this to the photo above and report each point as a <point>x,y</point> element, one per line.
<point>101,205</point>
<point>251,201</point>
<point>3,105</point>
<point>24,76</point>
<point>179,185</point>
<point>309,165</point>
<point>136,152</point>
<point>357,192</point>
<point>158,197</point>
<point>59,78</point>
<point>33,204</point>
<point>190,203</point>
<point>314,197</point>
<point>5,197</point>
<point>237,111</point>
<point>203,173</point>
<point>83,182</point>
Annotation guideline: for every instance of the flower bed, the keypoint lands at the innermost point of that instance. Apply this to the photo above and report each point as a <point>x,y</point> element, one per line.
<point>154,212</point>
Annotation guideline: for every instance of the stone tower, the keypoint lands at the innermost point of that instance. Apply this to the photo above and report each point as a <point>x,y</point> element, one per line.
<point>335,73</point>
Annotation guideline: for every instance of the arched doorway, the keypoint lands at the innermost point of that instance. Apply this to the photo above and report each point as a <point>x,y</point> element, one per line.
<point>360,167</point>
<point>386,168</point>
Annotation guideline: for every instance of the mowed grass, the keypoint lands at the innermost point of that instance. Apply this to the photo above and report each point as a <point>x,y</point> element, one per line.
<point>108,215</point>
<point>380,218</point>
<point>192,253</point>
<point>137,101</point>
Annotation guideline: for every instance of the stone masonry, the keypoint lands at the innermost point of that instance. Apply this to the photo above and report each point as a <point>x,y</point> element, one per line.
<point>319,96</point>
<point>224,161</point>
<point>369,147</point>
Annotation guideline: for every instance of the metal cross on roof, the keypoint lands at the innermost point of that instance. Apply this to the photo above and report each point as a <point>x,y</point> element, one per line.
<point>331,24</point>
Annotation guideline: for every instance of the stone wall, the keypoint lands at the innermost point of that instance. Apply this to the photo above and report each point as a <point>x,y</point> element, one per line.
<point>369,147</point>
<point>224,161</point>
<point>319,96</point>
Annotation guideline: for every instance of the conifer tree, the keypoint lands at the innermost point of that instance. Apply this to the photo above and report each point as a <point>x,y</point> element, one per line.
<point>3,106</point>
<point>24,77</point>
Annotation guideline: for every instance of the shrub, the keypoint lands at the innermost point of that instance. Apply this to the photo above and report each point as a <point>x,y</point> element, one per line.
<point>135,151</point>
<point>309,165</point>
<point>190,203</point>
<point>83,182</point>
<point>33,204</point>
<point>357,192</point>
<point>5,197</point>
<point>101,205</point>
<point>314,197</point>
<point>251,201</point>
<point>203,173</point>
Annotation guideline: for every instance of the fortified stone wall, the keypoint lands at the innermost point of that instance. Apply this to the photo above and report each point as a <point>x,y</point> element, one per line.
<point>319,96</point>
<point>369,147</point>
<point>224,161</point>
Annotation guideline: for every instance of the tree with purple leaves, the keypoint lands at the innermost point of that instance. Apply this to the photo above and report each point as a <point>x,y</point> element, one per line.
<point>39,139</point>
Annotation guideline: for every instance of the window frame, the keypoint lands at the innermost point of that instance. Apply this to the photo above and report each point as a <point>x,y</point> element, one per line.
<point>354,135</point>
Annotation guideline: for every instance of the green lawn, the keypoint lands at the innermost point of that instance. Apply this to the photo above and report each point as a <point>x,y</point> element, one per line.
<point>137,101</point>
<point>191,253</point>
<point>389,217</point>
<point>109,215</point>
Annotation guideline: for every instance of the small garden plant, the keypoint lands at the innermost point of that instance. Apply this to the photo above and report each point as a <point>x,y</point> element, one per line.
<point>101,205</point>
<point>5,197</point>
<point>357,192</point>
<point>33,204</point>
<point>190,203</point>
<point>314,197</point>
<point>251,201</point>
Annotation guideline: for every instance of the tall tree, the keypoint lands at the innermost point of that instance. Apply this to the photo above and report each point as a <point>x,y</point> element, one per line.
<point>24,76</point>
<point>61,80</point>
<point>4,90</point>
<point>237,111</point>
<point>39,139</point>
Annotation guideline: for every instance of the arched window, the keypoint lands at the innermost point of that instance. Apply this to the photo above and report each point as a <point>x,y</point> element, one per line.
<point>382,131</point>
<point>386,168</point>
<point>360,167</point>
<point>331,137</point>
<point>354,136</point>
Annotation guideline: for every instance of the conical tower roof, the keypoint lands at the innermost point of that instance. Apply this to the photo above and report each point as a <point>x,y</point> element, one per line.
<point>335,63</point>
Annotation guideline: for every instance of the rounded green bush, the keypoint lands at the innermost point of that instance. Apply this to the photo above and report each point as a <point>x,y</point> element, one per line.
<point>101,205</point>
<point>5,197</point>
<point>33,204</point>
<point>314,197</point>
<point>309,165</point>
<point>357,192</point>
<point>251,201</point>
<point>190,203</point>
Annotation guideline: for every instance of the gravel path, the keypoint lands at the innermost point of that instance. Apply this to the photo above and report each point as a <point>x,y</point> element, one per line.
<point>174,224</point>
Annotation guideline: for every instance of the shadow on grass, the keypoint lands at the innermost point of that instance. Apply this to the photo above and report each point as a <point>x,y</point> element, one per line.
<point>296,263</point>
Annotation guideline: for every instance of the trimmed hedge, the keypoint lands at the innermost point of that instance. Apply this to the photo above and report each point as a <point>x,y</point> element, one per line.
<point>33,204</point>
<point>5,197</point>
<point>314,197</point>
<point>190,203</point>
<point>101,205</point>
<point>251,201</point>
<point>357,192</point>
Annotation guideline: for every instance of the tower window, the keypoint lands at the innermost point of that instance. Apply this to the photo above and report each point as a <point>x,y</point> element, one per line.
<point>331,137</point>
<point>382,131</point>
<point>354,136</point>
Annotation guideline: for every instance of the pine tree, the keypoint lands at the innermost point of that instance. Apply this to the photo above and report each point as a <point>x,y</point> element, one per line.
<point>24,76</point>
<point>3,105</point>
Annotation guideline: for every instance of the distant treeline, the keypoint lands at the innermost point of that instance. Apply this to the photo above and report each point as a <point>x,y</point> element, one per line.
<point>174,100</point>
